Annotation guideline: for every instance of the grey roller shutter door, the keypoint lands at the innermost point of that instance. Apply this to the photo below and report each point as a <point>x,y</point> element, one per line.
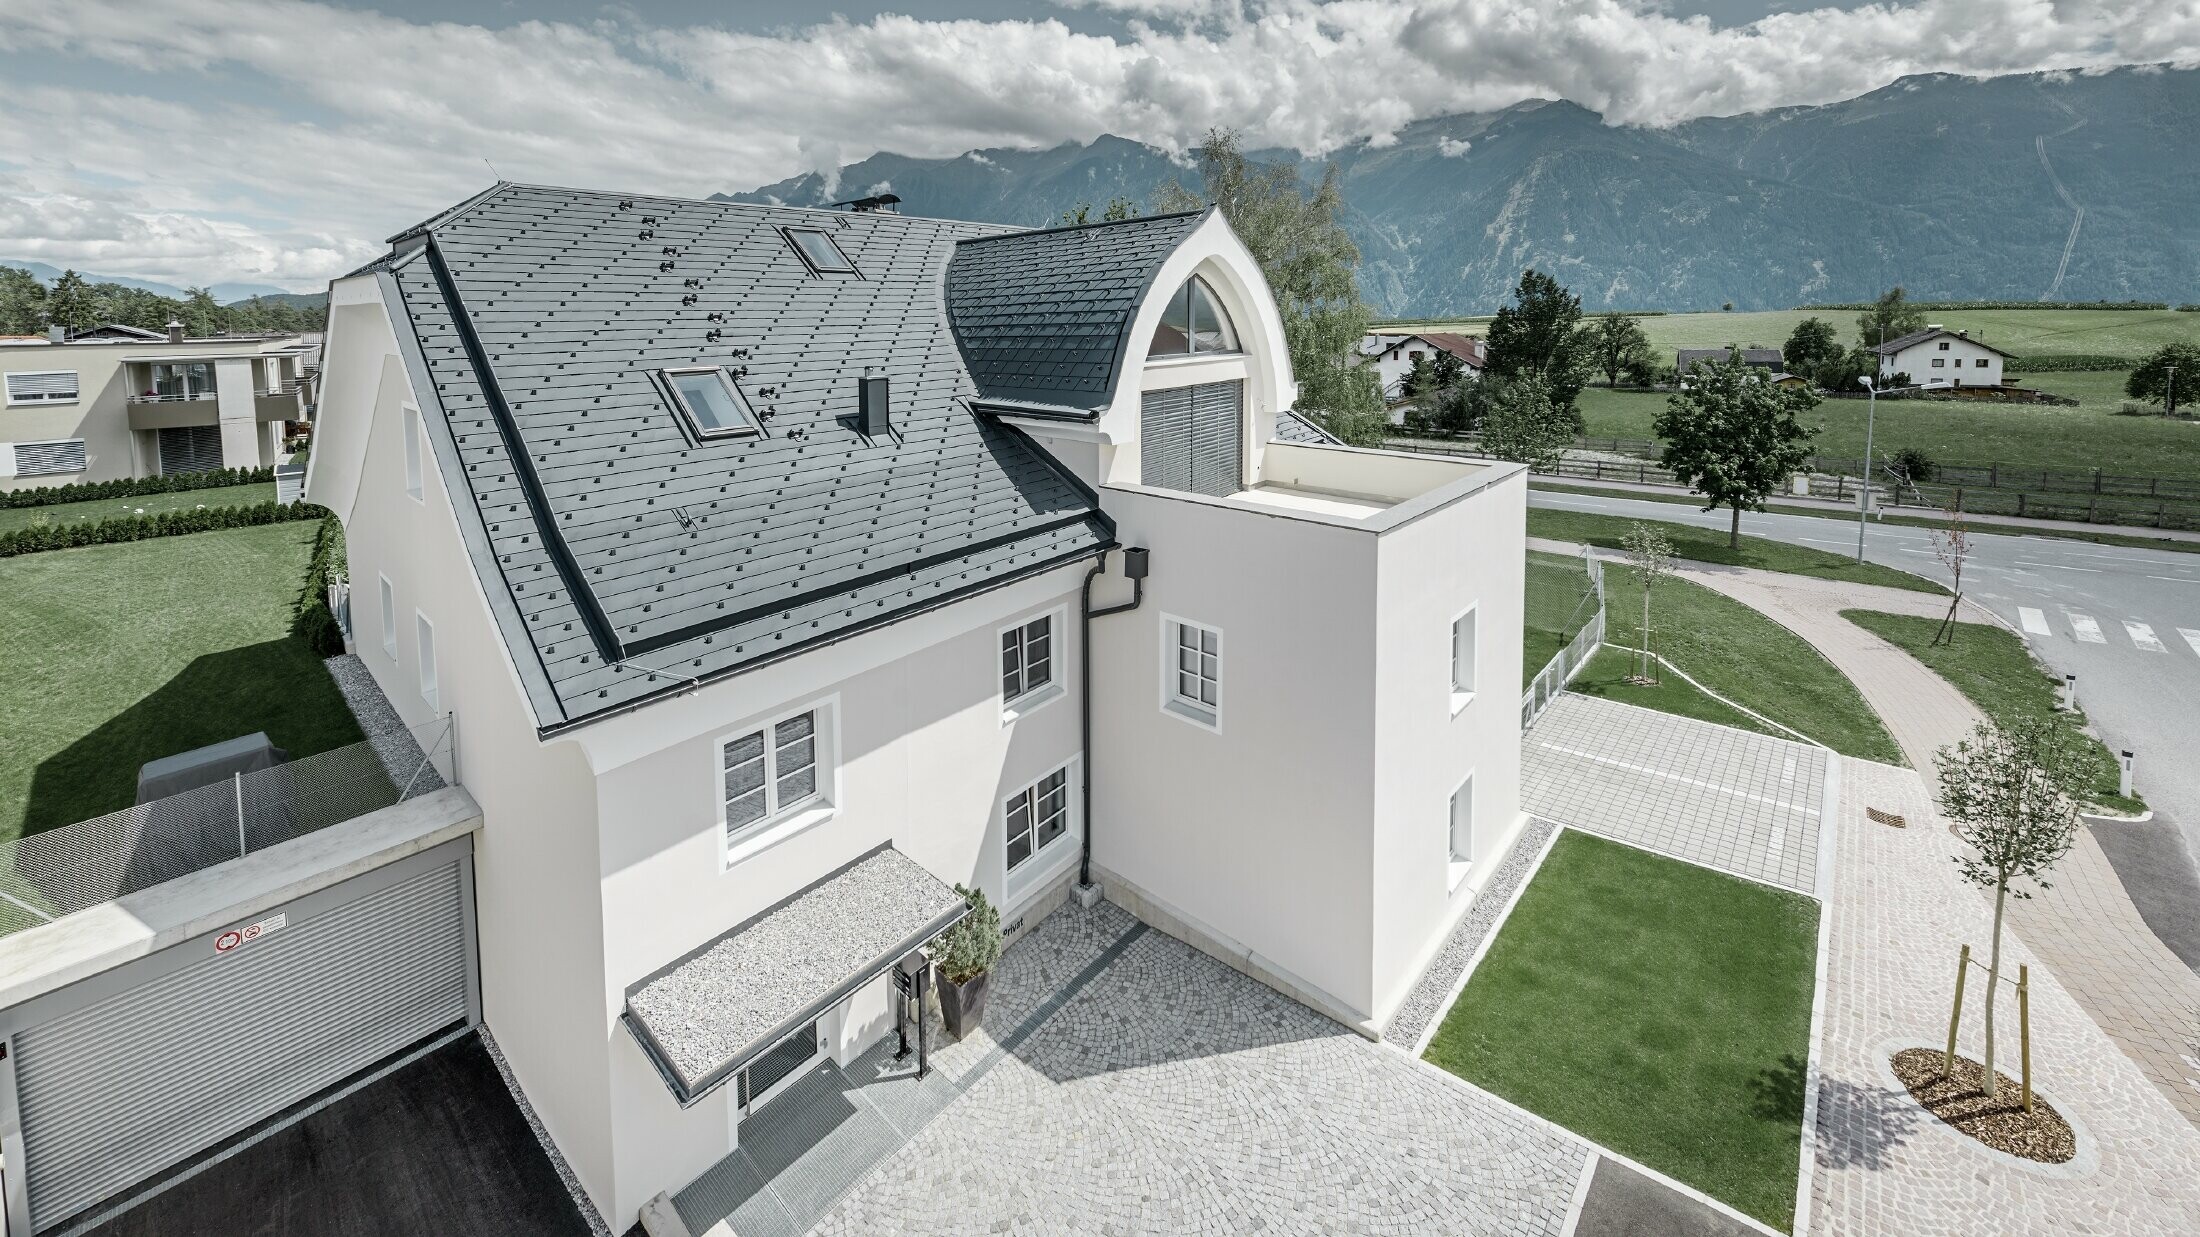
<point>122,1089</point>
<point>190,448</point>
<point>1192,438</point>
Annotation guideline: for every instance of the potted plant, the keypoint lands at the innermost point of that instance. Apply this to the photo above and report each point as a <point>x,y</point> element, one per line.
<point>964,956</point>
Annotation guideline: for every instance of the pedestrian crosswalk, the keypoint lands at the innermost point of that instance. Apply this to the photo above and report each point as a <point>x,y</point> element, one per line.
<point>2142,635</point>
<point>2086,629</point>
<point>2035,623</point>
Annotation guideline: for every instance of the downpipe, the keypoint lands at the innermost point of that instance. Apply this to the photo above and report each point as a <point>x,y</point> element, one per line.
<point>1134,570</point>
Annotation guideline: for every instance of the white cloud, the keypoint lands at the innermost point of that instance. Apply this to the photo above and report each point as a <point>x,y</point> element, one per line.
<point>361,123</point>
<point>1453,148</point>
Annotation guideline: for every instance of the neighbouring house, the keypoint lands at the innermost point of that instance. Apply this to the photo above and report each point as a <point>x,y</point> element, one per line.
<point>119,401</point>
<point>1392,355</point>
<point>1938,357</point>
<point>766,573</point>
<point>1767,359</point>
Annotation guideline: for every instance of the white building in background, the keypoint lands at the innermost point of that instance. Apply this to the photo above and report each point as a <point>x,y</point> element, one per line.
<point>781,569</point>
<point>120,402</point>
<point>1393,355</point>
<point>1937,357</point>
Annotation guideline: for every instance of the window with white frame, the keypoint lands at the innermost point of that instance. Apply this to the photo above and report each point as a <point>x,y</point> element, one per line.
<point>426,650</point>
<point>1037,817</point>
<point>769,773</point>
<point>1463,651</point>
<point>413,469</point>
<point>1192,670</point>
<point>1461,828</point>
<point>1027,661</point>
<point>52,386</point>
<point>389,617</point>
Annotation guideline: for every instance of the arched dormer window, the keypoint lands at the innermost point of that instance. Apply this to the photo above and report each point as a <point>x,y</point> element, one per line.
<point>1193,322</point>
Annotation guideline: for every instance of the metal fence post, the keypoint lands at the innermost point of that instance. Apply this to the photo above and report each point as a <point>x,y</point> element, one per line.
<point>237,780</point>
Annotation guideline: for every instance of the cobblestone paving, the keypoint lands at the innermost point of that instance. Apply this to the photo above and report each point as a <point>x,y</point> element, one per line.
<point>1898,915</point>
<point>1716,796</point>
<point>1173,1095</point>
<point>1432,992</point>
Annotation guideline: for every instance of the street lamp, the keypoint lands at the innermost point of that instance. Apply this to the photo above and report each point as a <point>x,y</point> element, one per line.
<point>2170,407</point>
<point>1864,499</point>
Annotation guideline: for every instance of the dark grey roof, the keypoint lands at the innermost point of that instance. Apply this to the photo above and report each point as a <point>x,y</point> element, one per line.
<point>1291,427</point>
<point>1687,357</point>
<point>712,1011</point>
<point>1044,317</point>
<point>616,535</point>
<point>1899,342</point>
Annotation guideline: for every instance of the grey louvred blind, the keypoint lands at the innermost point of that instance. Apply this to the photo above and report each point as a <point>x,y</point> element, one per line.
<point>190,448</point>
<point>1191,438</point>
<point>54,386</point>
<point>38,459</point>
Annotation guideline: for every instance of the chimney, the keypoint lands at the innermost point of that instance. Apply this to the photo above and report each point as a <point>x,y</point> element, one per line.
<point>175,331</point>
<point>872,404</point>
<point>1932,326</point>
<point>57,334</point>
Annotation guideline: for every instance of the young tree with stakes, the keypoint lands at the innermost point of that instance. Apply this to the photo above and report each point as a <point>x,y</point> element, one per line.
<point>1651,555</point>
<point>2012,793</point>
<point>1735,437</point>
<point>1952,542</point>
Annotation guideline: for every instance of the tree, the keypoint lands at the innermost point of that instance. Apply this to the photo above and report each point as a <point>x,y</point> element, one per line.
<point>2150,380</point>
<point>1300,242</point>
<point>200,316</point>
<point>1420,376</point>
<point>1735,437</point>
<point>2012,793</point>
<point>1519,421</point>
<point>1890,316</point>
<point>1952,543</point>
<point>69,303</point>
<point>1616,343</point>
<point>1356,429</point>
<point>1117,210</point>
<point>22,302</point>
<point>1811,348</point>
<point>1651,555</point>
<point>1536,334</point>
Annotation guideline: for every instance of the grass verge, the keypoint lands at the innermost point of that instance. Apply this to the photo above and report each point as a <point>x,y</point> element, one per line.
<point>1658,1008</point>
<point>1706,545</point>
<point>13,518</point>
<point>124,653</point>
<point>1992,668</point>
<point>1607,677</point>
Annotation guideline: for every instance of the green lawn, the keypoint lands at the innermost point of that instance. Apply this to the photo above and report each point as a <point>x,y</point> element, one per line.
<point>1956,432</point>
<point>1557,606</point>
<point>1705,545</point>
<point>120,654</point>
<point>1749,659</point>
<point>1658,1008</point>
<point>1607,674</point>
<point>12,518</point>
<point>1992,666</point>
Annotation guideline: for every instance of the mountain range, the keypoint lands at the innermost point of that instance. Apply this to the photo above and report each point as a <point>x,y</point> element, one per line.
<point>2059,186</point>
<point>225,293</point>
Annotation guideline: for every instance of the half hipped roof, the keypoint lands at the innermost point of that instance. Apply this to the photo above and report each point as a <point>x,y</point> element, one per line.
<point>626,557</point>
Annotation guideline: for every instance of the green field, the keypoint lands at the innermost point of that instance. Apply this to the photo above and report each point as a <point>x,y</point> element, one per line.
<point>12,518</point>
<point>1655,1007</point>
<point>2026,332</point>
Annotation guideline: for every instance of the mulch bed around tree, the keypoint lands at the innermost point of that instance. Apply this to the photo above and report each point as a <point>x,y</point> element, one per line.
<point>2041,1135</point>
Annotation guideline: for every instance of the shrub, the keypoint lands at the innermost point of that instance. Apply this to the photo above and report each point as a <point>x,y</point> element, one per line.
<point>2067,364</point>
<point>311,619</point>
<point>39,537</point>
<point>132,487</point>
<point>973,945</point>
<point>1914,465</point>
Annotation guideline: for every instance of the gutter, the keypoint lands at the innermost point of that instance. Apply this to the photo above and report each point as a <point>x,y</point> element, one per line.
<point>1134,569</point>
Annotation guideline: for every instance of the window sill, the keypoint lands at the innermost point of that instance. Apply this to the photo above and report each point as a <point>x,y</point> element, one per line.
<point>1031,702</point>
<point>1039,871</point>
<point>1192,358</point>
<point>1459,701</point>
<point>1196,716</point>
<point>1456,875</point>
<point>760,838</point>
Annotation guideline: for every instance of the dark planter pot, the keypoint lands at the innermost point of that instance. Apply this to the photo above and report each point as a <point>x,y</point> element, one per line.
<point>963,1005</point>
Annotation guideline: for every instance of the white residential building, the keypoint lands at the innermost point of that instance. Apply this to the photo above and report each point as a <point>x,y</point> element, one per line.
<point>1393,355</point>
<point>783,568</point>
<point>1937,357</point>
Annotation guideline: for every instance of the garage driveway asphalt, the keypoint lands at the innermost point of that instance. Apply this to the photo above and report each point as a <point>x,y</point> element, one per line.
<point>436,1147</point>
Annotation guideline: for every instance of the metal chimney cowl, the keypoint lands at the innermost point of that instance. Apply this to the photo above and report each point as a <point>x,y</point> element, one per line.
<point>873,405</point>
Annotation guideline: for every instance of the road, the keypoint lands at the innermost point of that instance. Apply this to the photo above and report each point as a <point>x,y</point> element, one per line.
<point>2125,621</point>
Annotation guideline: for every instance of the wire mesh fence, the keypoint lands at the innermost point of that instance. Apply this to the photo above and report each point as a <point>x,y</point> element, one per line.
<point>1565,604</point>
<point>61,871</point>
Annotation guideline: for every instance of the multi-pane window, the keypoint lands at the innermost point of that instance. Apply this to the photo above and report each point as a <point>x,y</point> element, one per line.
<point>1037,816</point>
<point>1027,658</point>
<point>770,771</point>
<point>1940,362</point>
<point>1462,656</point>
<point>1193,321</point>
<point>1195,670</point>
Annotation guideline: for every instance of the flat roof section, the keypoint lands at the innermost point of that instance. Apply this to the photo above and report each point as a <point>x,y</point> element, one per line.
<point>708,1014</point>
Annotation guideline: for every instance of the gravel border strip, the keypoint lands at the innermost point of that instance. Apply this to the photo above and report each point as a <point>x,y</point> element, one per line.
<point>1432,992</point>
<point>542,1135</point>
<point>393,741</point>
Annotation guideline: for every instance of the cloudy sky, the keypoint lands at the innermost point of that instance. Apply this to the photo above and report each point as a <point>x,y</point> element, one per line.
<point>277,141</point>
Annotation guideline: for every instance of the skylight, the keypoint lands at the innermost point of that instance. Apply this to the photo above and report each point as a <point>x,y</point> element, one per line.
<point>711,403</point>
<point>819,250</point>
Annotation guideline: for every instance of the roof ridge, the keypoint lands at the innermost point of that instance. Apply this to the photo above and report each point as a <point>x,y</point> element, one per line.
<point>1079,227</point>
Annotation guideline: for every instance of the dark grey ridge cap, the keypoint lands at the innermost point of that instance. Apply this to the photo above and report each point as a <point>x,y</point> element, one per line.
<point>1021,233</point>
<point>712,1010</point>
<point>1295,429</point>
<point>447,214</point>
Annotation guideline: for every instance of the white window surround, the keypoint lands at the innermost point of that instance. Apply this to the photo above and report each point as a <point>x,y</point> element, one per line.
<point>430,689</point>
<point>1466,662</point>
<point>1174,701</point>
<point>1459,834</point>
<point>22,391</point>
<point>780,822</point>
<point>389,617</point>
<point>1032,699</point>
<point>415,468</point>
<point>1050,858</point>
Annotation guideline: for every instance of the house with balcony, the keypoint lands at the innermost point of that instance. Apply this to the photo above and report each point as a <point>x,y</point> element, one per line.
<point>1938,357</point>
<point>780,569</point>
<point>119,402</point>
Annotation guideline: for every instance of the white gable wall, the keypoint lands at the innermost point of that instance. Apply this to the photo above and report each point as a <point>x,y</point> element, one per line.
<point>1946,361</point>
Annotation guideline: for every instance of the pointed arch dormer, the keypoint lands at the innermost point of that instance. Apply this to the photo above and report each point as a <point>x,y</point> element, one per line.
<point>1193,322</point>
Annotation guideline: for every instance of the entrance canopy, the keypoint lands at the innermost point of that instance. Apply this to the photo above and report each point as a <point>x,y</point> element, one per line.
<point>704,1017</point>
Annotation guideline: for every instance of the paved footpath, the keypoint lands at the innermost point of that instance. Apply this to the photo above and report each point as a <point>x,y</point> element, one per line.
<point>2084,925</point>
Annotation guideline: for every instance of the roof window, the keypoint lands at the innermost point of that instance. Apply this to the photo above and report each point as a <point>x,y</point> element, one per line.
<point>1193,322</point>
<point>819,252</point>
<point>711,402</point>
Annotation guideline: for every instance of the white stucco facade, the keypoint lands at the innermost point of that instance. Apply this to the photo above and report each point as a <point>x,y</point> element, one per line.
<point>1945,359</point>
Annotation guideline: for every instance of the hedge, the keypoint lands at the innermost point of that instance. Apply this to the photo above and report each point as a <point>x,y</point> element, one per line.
<point>1860,306</point>
<point>2066,364</point>
<point>311,619</point>
<point>39,537</point>
<point>132,487</point>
